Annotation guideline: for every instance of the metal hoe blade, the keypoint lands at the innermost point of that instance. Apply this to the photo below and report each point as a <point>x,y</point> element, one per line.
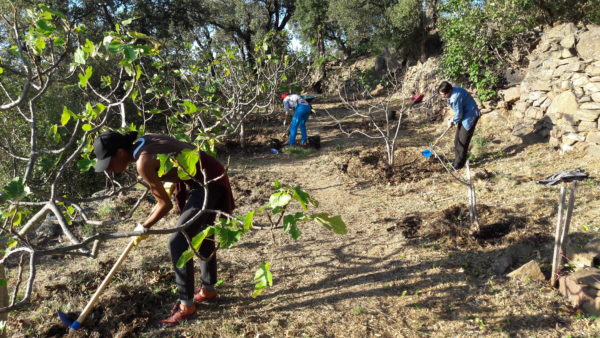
<point>73,324</point>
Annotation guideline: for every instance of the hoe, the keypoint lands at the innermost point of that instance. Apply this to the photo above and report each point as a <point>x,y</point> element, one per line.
<point>75,325</point>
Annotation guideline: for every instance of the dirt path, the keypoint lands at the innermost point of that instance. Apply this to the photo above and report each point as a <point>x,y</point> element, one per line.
<point>404,269</point>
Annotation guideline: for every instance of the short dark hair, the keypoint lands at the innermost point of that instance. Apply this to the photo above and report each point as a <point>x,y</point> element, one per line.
<point>445,87</point>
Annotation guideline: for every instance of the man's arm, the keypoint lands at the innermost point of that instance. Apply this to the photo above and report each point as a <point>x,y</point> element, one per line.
<point>457,106</point>
<point>147,167</point>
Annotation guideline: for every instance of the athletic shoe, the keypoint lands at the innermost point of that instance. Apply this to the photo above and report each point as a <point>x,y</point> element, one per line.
<point>204,295</point>
<point>179,315</point>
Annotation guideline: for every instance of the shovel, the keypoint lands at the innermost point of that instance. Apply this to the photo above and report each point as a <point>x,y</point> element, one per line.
<point>427,152</point>
<point>75,325</point>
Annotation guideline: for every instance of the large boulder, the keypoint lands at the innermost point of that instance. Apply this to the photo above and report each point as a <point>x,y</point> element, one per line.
<point>589,43</point>
<point>568,41</point>
<point>561,31</point>
<point>530,271</point>
<point>592,87</point>
<point>587,115</point>
<point>511,95</point>
<point>590,106</point>
<point>564,103</point>
<point>593,137</point>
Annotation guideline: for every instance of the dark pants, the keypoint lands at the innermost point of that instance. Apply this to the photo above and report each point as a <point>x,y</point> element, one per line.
<point>178,244</point>
<point>461,144</point>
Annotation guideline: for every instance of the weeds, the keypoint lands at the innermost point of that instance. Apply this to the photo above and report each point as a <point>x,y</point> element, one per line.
<point>298,152</point>
<point>591,318</point>
<point>88,229</point>
<point>478,147</point>
<point>595,227</point>
<point>105,211</point>
<point>358,310</point>
<point>480,322</point>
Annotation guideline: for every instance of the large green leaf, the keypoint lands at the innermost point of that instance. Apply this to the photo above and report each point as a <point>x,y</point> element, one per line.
<point>114,46</point>
<point>290,225</point>
<point>280,199</point>
<point>304,198</point>
<point>54,133</point>
<point>17,219</point>
<point>58,41</point>
<point>15,189</point>
<point>263,278</point>
<point>190,108</point>
<point>44,28</point>
<point>79,57</point>
<point>228,236</point>
<point>130,53</point>
<point>51,11</point>
<point>249,221</point>
<point>85,165</point>
<point>137,35</point>
<point>39,44</point>
<point>196,242</point>
<point>165,164</point>
<point>84,78</point>
<point>127,22</point>
<point>65,116</point>
<point>89,48</point>
<point>333,223</point>
<point>188,160</point>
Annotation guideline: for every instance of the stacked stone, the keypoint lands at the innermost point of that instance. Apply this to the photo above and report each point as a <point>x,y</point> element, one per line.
<point>559,97</point>
<point>582,289</point>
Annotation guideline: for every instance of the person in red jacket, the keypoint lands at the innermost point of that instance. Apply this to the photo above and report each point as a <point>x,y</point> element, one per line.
<point>115,151</point>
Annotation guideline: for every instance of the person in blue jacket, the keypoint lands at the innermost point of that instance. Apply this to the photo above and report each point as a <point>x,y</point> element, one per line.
<point>301,113</point>
<point>466,115</point>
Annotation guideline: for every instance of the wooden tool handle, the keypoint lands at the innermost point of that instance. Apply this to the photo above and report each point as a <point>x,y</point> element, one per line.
<point>102,286</point>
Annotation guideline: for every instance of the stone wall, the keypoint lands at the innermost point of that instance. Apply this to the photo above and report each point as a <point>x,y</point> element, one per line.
<point>559,98</point>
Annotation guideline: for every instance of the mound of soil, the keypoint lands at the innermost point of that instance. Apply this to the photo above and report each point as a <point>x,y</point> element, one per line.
<point>255,143</point>
<point>451,227</point>
<point>371,164</point>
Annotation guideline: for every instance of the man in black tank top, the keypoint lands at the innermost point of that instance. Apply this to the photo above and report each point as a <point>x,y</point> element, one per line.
<point>115,151</point>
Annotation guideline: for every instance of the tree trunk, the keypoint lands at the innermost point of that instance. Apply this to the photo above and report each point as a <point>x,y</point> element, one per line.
<point>3,295</point>
<point>242,139</point>
<point>320,70</point>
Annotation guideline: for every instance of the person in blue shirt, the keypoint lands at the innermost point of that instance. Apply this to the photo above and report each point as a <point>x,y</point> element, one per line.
<point>301,111</point>
<point>466,115</point>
